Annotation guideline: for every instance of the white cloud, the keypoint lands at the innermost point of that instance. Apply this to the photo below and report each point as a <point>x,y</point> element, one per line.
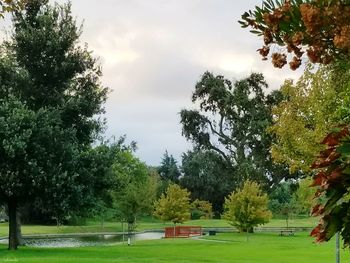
<point>154,51</point>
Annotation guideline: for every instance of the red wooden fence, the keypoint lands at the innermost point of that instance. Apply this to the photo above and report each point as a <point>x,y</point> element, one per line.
<point>183,231</point>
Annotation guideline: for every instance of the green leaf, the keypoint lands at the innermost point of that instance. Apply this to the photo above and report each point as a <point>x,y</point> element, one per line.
<point>255,32</point>
<point>344,149</point>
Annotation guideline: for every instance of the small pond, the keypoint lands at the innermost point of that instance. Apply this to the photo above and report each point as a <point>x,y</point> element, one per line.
<point>86,241</point>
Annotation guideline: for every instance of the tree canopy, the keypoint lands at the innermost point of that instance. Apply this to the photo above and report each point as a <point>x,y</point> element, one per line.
<point>50,96</point>
<point>168,169</point>
<point>310,108</point>
<point>207,176</point>
<point>232,120</point>
<point>247,207</point>
<point>174,205</point>
<point>136,190</point>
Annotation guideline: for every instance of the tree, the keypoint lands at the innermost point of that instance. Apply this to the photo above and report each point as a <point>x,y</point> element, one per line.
<point>168,169</point>
<point>322,28</point>
<point>137,189</point>
<point>96,168</point>
<point>308,111</point>
<point>207,176</point>
<point>232,120</point>
<point>201,209</point>
<point>174,205</point>
<point>247,207</point>
<point>304,196</point>
<point>50,94</point>
<point>318,28</point>
<point>282,202</point>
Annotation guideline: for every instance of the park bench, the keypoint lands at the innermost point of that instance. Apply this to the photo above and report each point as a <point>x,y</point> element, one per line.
<point>287,232</point>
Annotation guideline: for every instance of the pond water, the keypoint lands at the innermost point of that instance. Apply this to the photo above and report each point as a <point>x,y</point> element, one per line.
<point>86,241</point>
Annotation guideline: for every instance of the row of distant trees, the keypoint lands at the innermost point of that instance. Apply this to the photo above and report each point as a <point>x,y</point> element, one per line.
<point>287,199</point>
<point>243,208</point>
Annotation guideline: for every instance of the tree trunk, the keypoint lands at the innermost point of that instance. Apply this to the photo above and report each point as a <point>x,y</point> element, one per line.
<point>13,241</point>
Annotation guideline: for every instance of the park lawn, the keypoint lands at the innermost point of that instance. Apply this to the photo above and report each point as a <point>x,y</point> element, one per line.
<point>293,222</point>
<point>225,247</point>
<point>146,224</point>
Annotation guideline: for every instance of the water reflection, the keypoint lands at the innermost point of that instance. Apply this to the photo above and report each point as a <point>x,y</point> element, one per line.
<point>85,241</point>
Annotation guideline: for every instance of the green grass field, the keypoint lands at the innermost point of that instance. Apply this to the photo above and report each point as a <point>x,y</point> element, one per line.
<point>226,247</point>
<point>93,226</point>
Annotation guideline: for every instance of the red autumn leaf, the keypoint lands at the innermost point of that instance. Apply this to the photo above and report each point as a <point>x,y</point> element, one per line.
<point>321,163</point>
<point>335,174</point>
<point>331,139</point>
<point>319,179</point>
<point>316,231</point>
<point>321,237</point>
<point>317,210</point>
<point>325,153</point>
<point>344,132</point>
<point>333,156</point>
<point>315,165</point>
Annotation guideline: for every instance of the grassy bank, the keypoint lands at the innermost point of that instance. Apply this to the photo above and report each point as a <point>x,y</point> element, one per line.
<point>261,248</point>
<point>93,226</point>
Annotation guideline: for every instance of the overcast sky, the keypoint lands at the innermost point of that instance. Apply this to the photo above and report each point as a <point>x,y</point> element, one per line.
<point>154,51</point>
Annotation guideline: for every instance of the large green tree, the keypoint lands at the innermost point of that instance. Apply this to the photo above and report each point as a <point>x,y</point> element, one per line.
<point>50,94</point>
<point>207,176</point>
<point>232,120</point>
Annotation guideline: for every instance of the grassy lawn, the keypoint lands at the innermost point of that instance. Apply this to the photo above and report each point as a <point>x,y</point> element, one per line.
<point>93,226</point>
<point>296,222</point>
<point>261,248</point>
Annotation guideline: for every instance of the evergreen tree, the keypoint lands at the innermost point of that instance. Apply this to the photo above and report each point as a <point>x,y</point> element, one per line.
<point>168,169</point>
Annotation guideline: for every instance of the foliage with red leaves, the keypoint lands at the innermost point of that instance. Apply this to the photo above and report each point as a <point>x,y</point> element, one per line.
<point>316,29</point>
<point>333,187</point>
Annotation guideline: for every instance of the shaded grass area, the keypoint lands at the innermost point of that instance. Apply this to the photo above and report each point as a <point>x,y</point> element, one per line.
<point>147,223</point>
<point>261,247</point>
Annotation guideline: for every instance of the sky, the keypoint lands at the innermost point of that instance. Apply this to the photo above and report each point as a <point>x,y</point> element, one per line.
<point>152,54</point>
